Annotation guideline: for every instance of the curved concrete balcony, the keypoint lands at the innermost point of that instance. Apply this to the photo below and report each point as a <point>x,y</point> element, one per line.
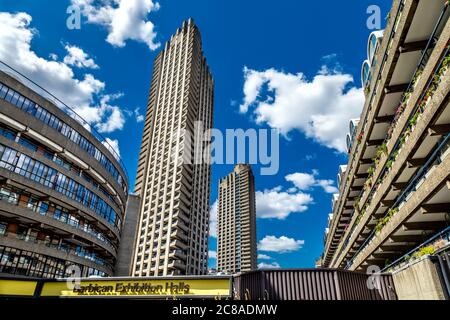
<point>40,248</point>
<point>31,217</point>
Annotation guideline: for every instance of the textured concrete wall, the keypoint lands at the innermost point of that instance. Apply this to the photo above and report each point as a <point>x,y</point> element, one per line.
<point>127,241</point>
<point>418,281</point>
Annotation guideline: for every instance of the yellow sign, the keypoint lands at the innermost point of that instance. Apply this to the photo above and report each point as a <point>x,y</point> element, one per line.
<point>146,288</point>
<point>17,288</point>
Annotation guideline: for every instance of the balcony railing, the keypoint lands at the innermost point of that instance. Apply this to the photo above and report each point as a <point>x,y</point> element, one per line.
<point>60,247</point>
<point>435,159</point>
<point>34,207</point>
<point>419,106</point>
<point>63,107</point>
<point>363,122</point>
<point>444,235</point>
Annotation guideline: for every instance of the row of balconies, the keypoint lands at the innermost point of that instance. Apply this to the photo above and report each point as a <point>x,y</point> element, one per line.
<point>402,50</point>
<point>406,126</point>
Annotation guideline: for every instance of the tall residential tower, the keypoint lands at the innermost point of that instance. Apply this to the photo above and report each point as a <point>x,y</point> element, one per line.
<point>236,215</point>
<point>172,235</point>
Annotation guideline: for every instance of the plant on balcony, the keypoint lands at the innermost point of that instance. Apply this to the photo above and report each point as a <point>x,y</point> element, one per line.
<point>381,149</point>
<point>359,137</point>
<point>428,250</point>
<point>395,154</point>
<point>389,163</point>
<point>361,214</point>
<point>371,171</point>
<point>413,120</point>
<point>384,221</point>
<point>367,90</point>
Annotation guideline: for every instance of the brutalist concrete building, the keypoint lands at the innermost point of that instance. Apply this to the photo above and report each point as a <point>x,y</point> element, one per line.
<point>62,189</point>
<point>236,221</point>
<point>174,187</point>
<point>392,210</point>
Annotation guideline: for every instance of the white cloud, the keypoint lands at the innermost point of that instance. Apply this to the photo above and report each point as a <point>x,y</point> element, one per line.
<point>115,118</point>
<point>328,186</point>
<point>272,265</point>
<point>305,181</point>
<point>278,204</point>
<point>212,254</point>
<point>113,146</point>
<point>123,19</point>
<point>56,77</point>
<point>282,244</point>
<point>262,256</point>
<point>292,190</point>
<point>139,117</point>
<point>321,108</point>
<point>78,58</point>
<point>213,220</point>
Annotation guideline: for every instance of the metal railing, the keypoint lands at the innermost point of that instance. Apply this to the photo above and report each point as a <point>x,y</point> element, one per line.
<point>35,207</point>
<point>60,247</point>
<point>444,234</point>
<point>398,143</point>
<point>362,123</point>
<point>435,157</point>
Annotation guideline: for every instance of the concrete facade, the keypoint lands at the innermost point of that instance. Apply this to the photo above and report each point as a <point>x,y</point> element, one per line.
<point>418,281</point>
<point>62,191</point>
<point>125,255</point>
<point>394,195</point>
<point>173,185</point>
<point>236,222</point>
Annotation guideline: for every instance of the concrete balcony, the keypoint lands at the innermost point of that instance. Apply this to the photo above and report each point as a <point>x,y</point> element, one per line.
<point>27,216</point>
<point>403,53</point>
<point>38,247</point>
<point>419,145</point>
<point>424,213</point>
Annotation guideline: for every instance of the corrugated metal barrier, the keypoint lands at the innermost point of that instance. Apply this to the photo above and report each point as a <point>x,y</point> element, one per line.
<point>443,266</point>
<point>312,284</point>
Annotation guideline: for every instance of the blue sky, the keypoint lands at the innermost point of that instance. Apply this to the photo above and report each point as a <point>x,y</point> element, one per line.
<point>300,57</point>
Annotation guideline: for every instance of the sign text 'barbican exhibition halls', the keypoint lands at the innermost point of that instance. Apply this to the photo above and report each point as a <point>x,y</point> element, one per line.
<point>170,288</point>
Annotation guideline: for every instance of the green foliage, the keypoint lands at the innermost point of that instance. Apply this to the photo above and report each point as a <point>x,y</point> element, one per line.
<point>381,149</point>
<point>402,140</point>
<point>413,120</point>
<point>371,171</point>
<point>389,164</point>
<point>428,250</point>
<point>384,221</point>
<point>395,154</point>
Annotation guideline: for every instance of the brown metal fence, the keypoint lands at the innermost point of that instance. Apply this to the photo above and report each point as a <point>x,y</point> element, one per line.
<point>442,262</point>
<point>310,284</point>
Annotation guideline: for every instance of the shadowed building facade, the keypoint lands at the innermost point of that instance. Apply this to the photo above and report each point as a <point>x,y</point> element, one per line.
<point>172,235</point>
